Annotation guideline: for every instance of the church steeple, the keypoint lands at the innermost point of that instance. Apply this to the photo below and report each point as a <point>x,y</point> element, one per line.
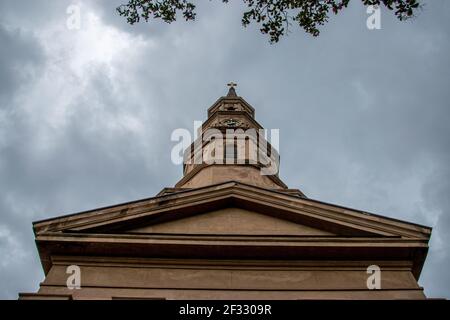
<point>231,147</point>
<point>229,231</point>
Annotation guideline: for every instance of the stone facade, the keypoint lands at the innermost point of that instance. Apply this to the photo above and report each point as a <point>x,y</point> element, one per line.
<point>227,232</point>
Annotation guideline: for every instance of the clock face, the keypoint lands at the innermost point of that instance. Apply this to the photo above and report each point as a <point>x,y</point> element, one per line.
<point>231,123</point>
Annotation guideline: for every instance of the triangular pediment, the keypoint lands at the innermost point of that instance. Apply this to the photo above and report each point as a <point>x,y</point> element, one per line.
<point>231,221</point>
<point>232,206</point>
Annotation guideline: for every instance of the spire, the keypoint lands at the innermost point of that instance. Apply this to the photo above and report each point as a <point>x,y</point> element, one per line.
<point>232,91</point>
<point>230,146</point>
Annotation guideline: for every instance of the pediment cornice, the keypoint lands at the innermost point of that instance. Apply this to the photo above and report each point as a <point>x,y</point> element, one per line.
<point>339,220</point>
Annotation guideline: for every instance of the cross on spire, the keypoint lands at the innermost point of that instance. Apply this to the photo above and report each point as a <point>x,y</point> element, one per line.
<point>232,91</point>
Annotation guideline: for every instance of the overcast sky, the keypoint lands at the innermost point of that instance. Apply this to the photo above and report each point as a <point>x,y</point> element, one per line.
<point>86,115</point>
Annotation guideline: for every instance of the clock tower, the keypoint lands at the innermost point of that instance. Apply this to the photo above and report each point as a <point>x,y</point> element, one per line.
<point>229,229</point>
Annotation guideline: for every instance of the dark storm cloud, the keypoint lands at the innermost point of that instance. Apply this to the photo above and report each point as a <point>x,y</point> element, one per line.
<point>19,53</point>
<point>20,60</point>
<point>88,114</point>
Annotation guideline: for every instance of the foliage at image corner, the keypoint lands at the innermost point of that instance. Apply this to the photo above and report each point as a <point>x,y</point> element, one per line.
<point>274,16</point>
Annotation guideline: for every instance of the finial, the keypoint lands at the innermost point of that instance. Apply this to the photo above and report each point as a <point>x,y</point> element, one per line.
<point>232,91</point>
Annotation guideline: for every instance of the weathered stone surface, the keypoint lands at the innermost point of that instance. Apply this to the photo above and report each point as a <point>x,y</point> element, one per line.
<point>228,232</point>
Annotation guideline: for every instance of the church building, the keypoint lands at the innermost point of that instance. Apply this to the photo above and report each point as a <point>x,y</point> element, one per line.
<point>229,229</point>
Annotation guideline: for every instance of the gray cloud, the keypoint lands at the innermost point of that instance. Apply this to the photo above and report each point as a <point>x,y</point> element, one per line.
<point>20,55</point>
<point>86,116</point>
